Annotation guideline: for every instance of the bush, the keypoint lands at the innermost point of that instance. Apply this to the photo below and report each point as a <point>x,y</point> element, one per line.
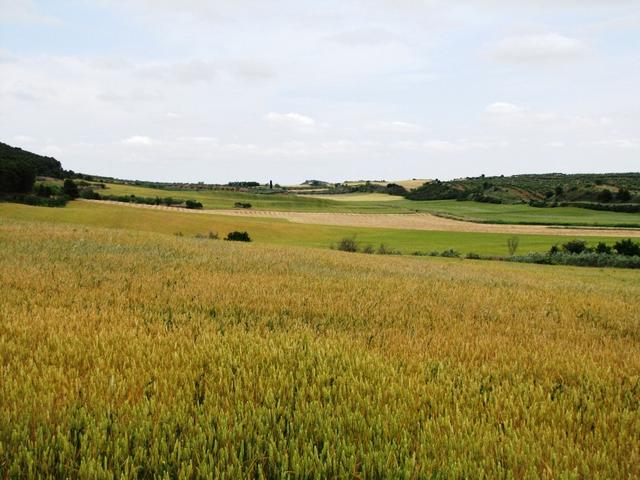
<point>348,244</point>
<point>603,248</point>
<point>451,253</point>
<point>368,249</point>
<point>512,245</point>
<point>242,205</point>
<point>584,259</point>
<point>575,246</point>
<point>192,204</point>
<point>70,189</point>
<point>473,256</point>
<point>34,200</point>
<point>43,190</point>
<point>605,196</point>
<point>236,236</point>
<point>386,250</point>
<point>623,195</point>
<point>213,236</point>
<point>89,194</point>
<point>627,247</point>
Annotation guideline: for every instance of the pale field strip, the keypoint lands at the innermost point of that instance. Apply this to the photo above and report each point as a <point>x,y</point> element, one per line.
<point>401,221</point>
<point>350,197</point>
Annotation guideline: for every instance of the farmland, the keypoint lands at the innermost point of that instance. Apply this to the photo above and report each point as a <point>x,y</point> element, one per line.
<point>135,354</point>
<point>277,231</point>
<point>481,212</point>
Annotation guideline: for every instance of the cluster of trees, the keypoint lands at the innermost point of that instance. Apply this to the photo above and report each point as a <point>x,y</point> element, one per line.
<point>90,194</point>
<point>18,172</point>
<point>626,247</point>
<point>16,177</point>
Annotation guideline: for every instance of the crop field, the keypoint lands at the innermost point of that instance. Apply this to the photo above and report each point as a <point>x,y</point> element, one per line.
<point>278,230</point>
<point>501,213</point>
<point>381,203</point>
<point>133,354</point>
<point>355,197</point>
<point>219,199</point>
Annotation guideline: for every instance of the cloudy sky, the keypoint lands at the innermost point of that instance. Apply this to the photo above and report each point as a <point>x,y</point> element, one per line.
<point>219,90</point>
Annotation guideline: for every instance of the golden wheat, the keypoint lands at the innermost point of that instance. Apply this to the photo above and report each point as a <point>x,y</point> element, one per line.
<point>128,354</point>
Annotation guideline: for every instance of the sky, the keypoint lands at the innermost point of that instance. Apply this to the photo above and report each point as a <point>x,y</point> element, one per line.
<point>217,91</point>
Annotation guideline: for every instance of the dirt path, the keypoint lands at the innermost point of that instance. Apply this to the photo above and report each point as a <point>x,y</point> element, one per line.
<point>407,221</point>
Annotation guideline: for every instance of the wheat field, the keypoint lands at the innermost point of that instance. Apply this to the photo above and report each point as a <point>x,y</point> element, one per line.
<point>138,355</point>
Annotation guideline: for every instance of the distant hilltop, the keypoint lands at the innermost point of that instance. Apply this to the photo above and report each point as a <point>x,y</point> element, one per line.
<point>610,191</point>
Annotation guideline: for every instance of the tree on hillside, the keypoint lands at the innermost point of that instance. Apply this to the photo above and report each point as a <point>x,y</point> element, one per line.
<point>623,195</point>
<point>605,196</point>
<point>70,189</point>
<point>16,177</point>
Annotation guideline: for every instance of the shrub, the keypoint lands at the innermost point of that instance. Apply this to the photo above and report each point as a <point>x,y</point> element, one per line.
<point>348,244</point>
<point>512,245</point>
<point>623,195</point>
<point>605,195</point>
<point>368,249</point>
<point>242,205</point>
<point>70,189</point>
<point>473,256</point>
<point>575,246</point>
<point>236,236</point>
<point>451,253</point>
<point>603,248</point>
<point>213,236</point>
<point>386,250</point>
<point>43,190</point>
<point>192,204</point>
<point>89,194</point>
<point>34,200</point>
<point>627,247</point>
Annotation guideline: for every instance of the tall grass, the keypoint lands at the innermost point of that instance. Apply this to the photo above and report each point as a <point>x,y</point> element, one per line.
<point>128,354</point>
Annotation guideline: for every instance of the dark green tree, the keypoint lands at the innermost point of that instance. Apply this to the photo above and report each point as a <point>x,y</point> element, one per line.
<point>605,195</point>
<point>623,195</point>
<point>70,188</point>
<point>627,247</point>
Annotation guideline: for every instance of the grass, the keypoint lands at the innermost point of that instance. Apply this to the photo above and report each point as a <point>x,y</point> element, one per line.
<point>499,213</point>
<point>132,354</point>
<point>275,231</point>
<point>483,212</point>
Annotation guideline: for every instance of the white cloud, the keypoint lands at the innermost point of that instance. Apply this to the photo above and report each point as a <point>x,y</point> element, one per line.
<point>290,119</point>
<point>395,127</point>
<point>616,143</point>
<point>24,11</point>
<point>22,139</point>
<point>452,146</point>
<point>503,108</point>
<point>139,140</point>
<point>545,47</point>
<point>52,150</point>
<point>368,36</point>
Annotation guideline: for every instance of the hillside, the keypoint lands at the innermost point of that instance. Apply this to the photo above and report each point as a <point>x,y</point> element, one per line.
<point>544,188</point>
<point>43,166</point>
